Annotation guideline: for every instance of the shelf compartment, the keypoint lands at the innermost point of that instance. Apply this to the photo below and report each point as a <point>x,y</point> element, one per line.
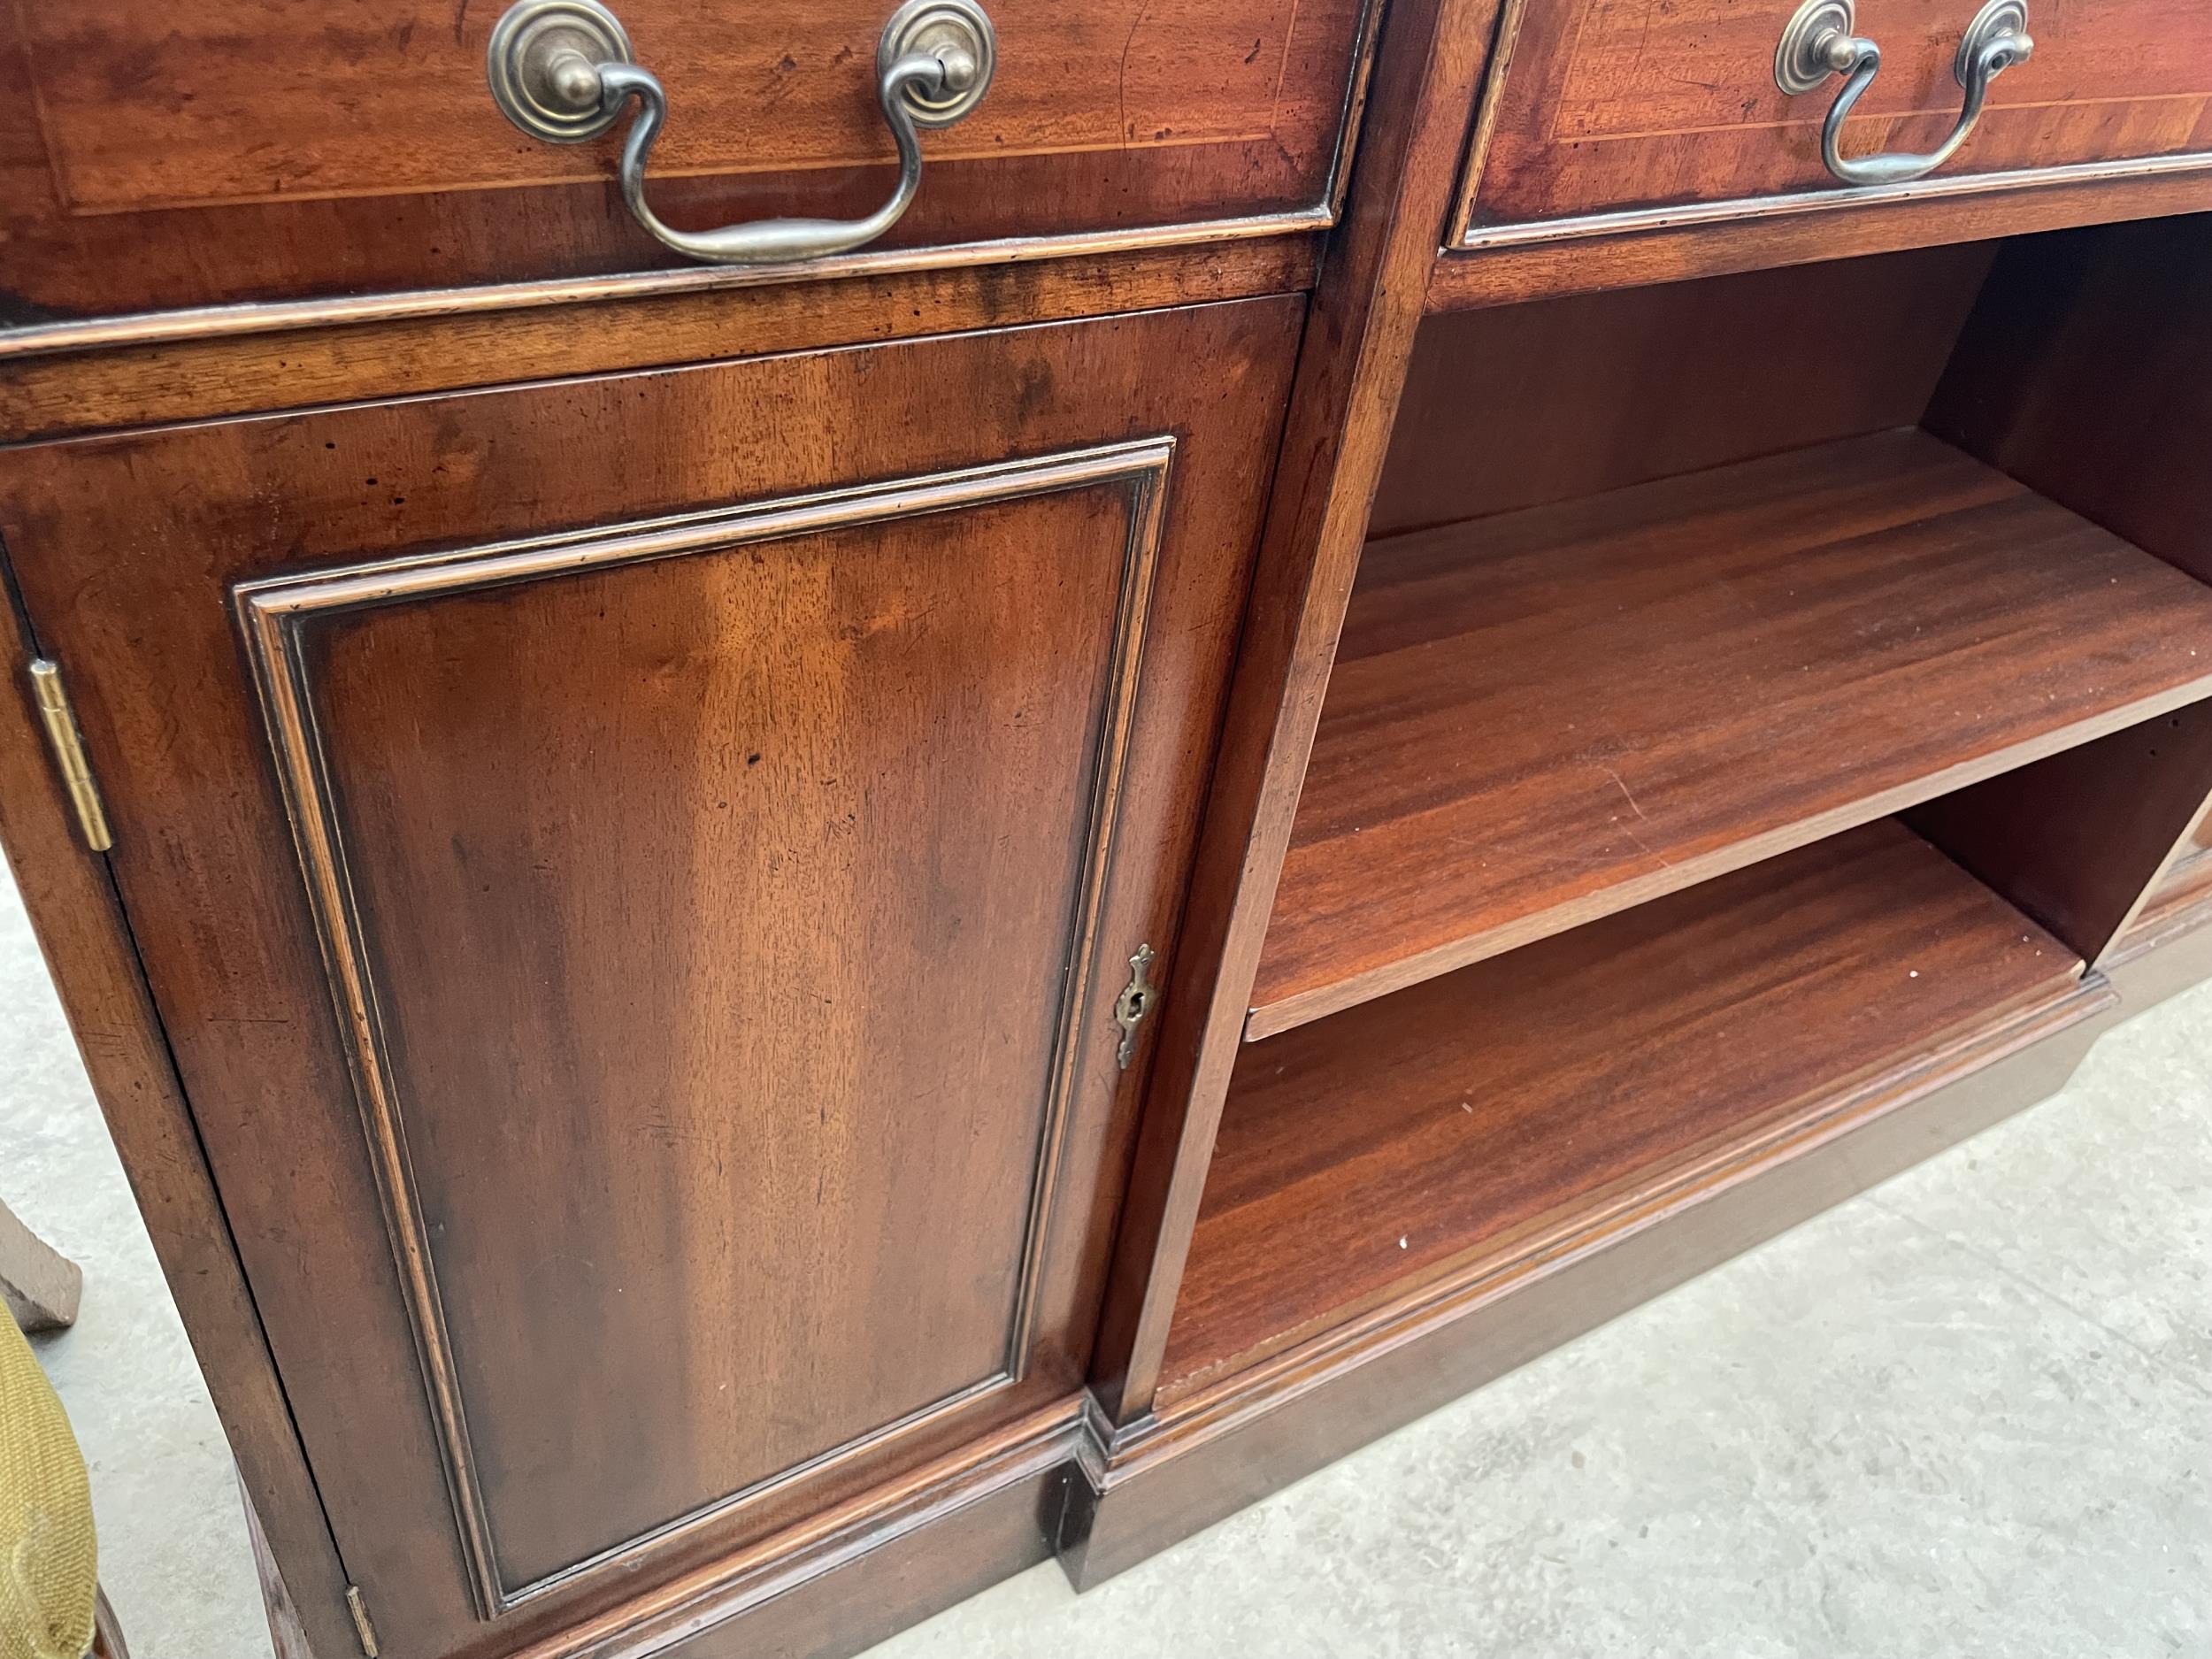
<point>1546,717</point>
<point>1481,1118</point>
<point>2183,895</point>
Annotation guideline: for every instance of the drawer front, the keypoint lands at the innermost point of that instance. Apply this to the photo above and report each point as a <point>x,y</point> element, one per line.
<point>1607,114</point>
<point>638,875</point>
<point>261,149</point>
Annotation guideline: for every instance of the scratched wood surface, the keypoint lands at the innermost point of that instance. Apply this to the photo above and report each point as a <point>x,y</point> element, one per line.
<point>1544,716</point>
<point>1483,1111</point>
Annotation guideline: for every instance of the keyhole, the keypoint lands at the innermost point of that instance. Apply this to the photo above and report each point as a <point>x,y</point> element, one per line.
<point>1136,1004</point>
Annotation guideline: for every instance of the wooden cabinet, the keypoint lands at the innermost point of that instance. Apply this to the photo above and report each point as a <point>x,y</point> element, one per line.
<point>639,874</point>
<point>1603,114</point>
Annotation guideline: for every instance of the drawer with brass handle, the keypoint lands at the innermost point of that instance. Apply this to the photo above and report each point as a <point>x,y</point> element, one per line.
<point>1604,115</point>
<point>282,149</point>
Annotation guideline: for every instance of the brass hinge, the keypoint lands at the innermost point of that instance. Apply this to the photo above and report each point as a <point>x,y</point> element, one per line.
<point>67,743</point>
<point>362,1628</point>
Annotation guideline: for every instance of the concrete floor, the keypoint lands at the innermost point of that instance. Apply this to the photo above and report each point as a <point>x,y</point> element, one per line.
<point>1969,1413</point>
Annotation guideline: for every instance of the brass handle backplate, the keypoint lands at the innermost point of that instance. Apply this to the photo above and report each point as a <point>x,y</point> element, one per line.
<point>561,70</point>
<point>1819,44</point>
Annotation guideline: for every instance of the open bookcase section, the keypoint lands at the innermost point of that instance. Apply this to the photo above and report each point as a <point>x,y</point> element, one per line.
<point>1543,714</point>
<point>1555,714</point>
<point>1486,1117</point>
<point>1753,738</point>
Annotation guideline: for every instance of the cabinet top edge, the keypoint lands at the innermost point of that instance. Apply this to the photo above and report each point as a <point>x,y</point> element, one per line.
<point>134,377</point>
<point>245,319</point>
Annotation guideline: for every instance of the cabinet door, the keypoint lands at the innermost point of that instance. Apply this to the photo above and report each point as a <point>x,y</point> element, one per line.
<point>637,874</point>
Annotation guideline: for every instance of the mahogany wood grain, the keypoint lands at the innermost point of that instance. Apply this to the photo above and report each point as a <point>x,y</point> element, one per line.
<point>1351,365</point>
<point>1606,107</point>
<point>640,822</point>
<point>263,148</point>
<point>724,1079</point>
<point>70,897</point>
<point>2086,373</point>
<point>1491,1111</point>
<point>1543,717</point>
<point>56,394</point>
<point>1682,246</point>
<point>2086,370</point>
<point>849,1577</point>
<point>2080,839</point>
<point>1513,406</point>
<point>1260,1429</point>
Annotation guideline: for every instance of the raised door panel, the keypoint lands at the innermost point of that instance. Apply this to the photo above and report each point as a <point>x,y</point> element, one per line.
<point>254,148</point>
<point>637,873</point>
<point>1606,113</point>
<point>711,913</point>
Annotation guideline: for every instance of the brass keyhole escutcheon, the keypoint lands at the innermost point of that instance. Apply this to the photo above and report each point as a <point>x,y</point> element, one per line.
<point>1133,1003</point>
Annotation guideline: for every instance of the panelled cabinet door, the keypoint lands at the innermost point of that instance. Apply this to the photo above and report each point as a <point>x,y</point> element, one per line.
<point>637,873</point>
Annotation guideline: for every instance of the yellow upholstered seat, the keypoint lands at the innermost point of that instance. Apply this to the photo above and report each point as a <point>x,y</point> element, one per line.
<point>48,1571</point>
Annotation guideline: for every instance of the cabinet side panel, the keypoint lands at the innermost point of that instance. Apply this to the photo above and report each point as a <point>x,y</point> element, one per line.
<point>87,945</point>
<point>2086,371</point>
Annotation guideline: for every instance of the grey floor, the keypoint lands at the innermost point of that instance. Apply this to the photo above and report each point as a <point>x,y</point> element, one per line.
<point>1969,1413</point>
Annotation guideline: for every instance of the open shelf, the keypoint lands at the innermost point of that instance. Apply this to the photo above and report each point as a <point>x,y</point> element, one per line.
<point>1482,1117</point>
<point>1548,716</point>
<point>2184,888</point>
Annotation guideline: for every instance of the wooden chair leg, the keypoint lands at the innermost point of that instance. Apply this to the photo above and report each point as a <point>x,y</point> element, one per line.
<point>39,1285</point>
<point>107,1631</point>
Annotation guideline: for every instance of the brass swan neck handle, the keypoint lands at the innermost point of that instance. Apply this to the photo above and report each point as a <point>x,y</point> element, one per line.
<point>1819,44</point>
<point>563,71</point>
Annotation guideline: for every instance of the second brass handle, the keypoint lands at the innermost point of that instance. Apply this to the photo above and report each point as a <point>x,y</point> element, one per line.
<point>1818,43</point>
<point>561,70</point>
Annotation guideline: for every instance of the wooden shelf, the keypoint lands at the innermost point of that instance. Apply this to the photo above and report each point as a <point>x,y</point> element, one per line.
<point>1482,1117</point>
<point>2183,892</point>
<point>1548,716</point>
